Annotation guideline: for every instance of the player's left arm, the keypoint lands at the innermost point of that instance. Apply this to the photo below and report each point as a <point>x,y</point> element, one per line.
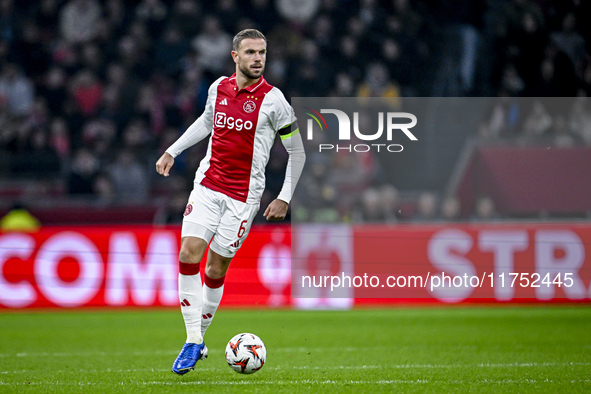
<point>292,141</point>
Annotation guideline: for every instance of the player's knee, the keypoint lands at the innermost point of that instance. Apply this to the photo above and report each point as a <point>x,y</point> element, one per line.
<point>187,256</point>
<point>191,251</point>
<point>217,265</point>
<point>215,271</point>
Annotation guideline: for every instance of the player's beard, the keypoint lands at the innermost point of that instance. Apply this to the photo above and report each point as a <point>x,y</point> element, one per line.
<point>248,74</point>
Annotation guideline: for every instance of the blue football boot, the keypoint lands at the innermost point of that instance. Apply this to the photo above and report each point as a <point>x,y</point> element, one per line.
<point>188,357</point>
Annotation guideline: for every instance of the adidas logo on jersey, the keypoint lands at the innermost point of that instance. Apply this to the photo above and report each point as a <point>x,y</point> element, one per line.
<point>224,102</point>
<point>236,244</point>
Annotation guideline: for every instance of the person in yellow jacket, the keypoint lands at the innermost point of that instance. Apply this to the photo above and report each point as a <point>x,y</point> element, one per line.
<point>19,219</point>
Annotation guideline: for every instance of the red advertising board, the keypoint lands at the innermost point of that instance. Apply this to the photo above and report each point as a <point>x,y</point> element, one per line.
<point>501,262</point>
<point>329,266</point>
<point>130,266</point>
<point>442,263</point>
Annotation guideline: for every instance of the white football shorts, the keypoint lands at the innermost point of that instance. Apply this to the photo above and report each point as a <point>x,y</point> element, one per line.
<point>219,219</point>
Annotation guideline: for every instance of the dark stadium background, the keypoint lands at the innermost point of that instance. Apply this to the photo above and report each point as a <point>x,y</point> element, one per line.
<point>497,186</point>
<point>92,92</point>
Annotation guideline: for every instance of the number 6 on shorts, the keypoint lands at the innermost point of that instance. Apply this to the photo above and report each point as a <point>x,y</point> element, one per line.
<point>242,229</point>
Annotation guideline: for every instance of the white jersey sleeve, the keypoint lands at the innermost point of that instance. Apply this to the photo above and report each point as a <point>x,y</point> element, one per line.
<point>283,114</point>
<point>285,124</point>
<point>295,164</point>
<point>201,128</point>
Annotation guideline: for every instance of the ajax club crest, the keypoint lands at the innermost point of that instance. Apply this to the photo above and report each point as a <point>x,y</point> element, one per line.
<point>249,106</point>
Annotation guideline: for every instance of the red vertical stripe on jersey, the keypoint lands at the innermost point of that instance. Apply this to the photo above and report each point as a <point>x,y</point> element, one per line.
<point>235,124</point>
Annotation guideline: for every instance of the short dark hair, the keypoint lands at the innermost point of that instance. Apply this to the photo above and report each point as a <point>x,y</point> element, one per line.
<point>246,33</point>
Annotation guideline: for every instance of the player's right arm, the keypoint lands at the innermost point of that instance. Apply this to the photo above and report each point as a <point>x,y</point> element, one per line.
<point>195,133</point>
<point>164,164</point>
<point>200,129</point>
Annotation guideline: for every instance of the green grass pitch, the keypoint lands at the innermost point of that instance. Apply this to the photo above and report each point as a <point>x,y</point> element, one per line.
<point>427,349</point>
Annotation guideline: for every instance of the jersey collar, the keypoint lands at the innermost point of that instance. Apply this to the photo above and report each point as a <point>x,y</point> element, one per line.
<point>251,88</point>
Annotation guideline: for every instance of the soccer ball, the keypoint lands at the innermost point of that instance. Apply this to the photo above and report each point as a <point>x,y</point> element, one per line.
<point>246,353</point>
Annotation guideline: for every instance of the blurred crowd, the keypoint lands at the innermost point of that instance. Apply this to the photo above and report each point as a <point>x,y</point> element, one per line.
<point>560,122</point>
<point>92,92</point>
<point>349,190</point>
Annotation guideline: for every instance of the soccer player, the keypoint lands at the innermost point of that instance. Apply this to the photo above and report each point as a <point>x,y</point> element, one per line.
<point>243,114</point>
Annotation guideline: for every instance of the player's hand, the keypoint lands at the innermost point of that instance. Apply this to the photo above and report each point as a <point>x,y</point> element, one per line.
<point>164,164</point>
<point>276,210</point>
